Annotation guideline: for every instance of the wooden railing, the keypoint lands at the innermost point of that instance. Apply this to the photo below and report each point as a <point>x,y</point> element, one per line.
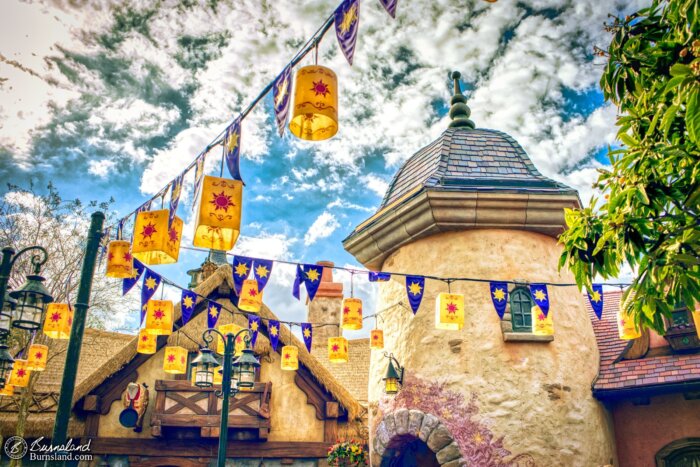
<point>180,405</point>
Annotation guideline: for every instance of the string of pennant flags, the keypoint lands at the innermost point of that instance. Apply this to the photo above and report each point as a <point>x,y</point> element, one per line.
<point>309,276</point>
<point>346,18</point>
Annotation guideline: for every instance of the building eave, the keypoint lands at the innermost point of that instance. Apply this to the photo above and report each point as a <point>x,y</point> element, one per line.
<point>426,211</point>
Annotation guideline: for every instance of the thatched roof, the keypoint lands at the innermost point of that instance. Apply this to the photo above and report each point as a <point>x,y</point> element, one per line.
<point>197,325</point>
<point>102,354</point>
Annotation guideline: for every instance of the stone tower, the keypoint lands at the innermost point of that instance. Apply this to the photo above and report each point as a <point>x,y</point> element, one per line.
<point>472,204</point>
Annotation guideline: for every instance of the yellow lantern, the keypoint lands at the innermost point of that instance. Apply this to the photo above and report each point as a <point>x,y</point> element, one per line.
<point>337,350</point>
<point>290,358</point>
<point>20,374</point>
<point>449,311</point>
<point>696,320</point>
<point>625,325</point>
<point>219,217</point>
<point>352,314</point>
<point>175,360</point>
<point>541,325</point>
<point>250,298</point>
<point>154,242</point>
<point>315,111</point>
<point>159,317</point>
<point>7,390</point>
<point>38,356</point>
<point>146,343</point>
<point>59,318</point>
<point>376,339</point>
<point>234,329</point>
<point>120,264</point>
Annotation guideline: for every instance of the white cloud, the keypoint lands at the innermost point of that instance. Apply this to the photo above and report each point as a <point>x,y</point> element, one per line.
<point>376,184</point>
<point>101,168</point>
<point>323,227</point>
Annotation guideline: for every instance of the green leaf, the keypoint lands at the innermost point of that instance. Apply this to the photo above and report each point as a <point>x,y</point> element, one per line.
<point>692,116</point>
<point>680,70</point>
<point>667,121</point>
<point>627,140</point>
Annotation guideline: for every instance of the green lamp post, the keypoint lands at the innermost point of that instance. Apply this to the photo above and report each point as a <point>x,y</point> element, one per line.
<point>238,373</point>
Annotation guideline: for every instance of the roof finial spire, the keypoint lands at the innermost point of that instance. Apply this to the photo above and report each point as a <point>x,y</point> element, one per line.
<point>459,112</point>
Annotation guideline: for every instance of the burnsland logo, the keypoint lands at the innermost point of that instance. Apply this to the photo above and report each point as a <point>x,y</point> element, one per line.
<point>16,447</point>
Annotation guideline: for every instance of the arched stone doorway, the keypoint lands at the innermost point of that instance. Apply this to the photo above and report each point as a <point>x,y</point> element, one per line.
<point>410,436</point>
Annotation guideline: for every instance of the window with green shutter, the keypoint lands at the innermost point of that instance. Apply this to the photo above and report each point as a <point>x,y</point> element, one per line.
<point>520,309</point>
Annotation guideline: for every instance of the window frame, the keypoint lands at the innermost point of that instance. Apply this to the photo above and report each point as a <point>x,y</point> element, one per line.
<point>522,315</point>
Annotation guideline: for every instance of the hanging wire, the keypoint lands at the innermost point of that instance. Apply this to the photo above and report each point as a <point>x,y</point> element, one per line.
<point>312,42</point>
<point>437,278</point>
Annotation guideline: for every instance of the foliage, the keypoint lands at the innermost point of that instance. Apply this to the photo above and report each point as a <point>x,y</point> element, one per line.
<point>650,214</point>
<point>347,453</point>
<point>60,226</point>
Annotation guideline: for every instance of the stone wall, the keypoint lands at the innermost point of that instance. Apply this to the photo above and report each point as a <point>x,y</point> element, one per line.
<point>534,397</point>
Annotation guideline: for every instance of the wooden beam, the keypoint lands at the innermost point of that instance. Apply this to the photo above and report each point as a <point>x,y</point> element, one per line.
<point>91,403</point>
<point>315,395</point>
<point>206,448</point>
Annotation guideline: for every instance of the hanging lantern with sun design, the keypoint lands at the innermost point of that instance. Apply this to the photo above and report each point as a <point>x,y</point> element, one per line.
<point>449,311</point>
<point>315,109</point>
<point>175,360</point>
<point>250,298</point>
<point>154,242</point>
<point>337,350</point>
<point>147,342</point>
<point>238,345</point>
<point>290,358</point>
<point>19,377</point>
<point>351,318</point>
<point>159,317</point>
<point>219,217</point>
<point>37,357</point>
<point>376,339</point>
<point>625,325</point>
<point>7,390</point>
<point>696,319</point>
<point>58,320</point>
<point>120,263</point>
<point>542,325</point>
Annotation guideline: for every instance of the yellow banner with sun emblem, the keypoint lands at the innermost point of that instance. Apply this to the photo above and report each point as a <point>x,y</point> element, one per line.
<point>449,311</point>
<point>219,217</point>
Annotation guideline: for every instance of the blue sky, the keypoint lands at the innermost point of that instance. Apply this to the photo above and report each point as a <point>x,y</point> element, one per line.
<point>114,99</point>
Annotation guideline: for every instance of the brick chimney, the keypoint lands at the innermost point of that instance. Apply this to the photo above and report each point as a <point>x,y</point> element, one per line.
<point>325,308</point>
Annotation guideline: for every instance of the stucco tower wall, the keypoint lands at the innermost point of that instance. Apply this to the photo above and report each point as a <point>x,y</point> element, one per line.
<point>536,395</point>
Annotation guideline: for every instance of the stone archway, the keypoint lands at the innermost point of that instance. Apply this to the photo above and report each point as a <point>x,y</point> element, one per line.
<point>404,425</point>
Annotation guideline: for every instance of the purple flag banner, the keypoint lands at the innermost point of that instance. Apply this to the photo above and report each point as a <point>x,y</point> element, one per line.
<point>415,286</point>
<point>390,6</point>
<point>499,296</point>
<point>232,149</point>
<point>298,279</point>
<point>262,268</point>
<point>254,325</point>
<point>198,174</point>
<point>540,296</point>
<point>347,22</point>
<point>280,97</point>
<point>241,269</point>
<point>379,276</point>
<point>151,281</point>
<point>273,328</point>
<point>308,333</point>
<point>312,279</point>
<point>595,297</point>
<point>129,282</point>
<point>213,313</point>
<point>187,303</point>
<point>175,190</point>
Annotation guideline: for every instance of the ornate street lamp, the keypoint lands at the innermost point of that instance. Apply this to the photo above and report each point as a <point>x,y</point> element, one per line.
<point>8,308</point>
<point>31,298</point>
<point>238,373</point>
<point>6,364</point>
<point>394,375</point>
